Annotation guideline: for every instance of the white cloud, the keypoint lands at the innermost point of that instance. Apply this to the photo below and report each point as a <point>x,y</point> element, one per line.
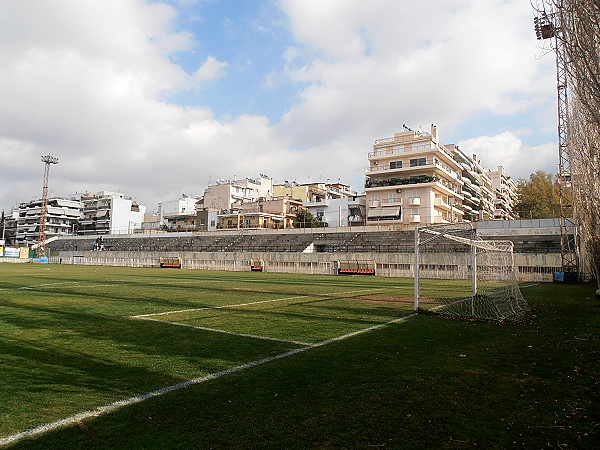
<point>86,81</point>
<point>508,150</point>
<point>211,69</point>
<point>383,64</point>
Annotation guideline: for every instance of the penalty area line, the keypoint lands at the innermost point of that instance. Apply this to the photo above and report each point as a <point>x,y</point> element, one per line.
<point>111,407</point>
<point>142,316</point>
<point>216,330</point>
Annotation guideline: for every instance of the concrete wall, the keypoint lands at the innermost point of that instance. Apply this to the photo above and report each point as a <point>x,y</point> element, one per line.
<point>528,267</point>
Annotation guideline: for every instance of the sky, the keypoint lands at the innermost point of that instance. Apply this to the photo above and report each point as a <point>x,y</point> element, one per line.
<point>159,98</point>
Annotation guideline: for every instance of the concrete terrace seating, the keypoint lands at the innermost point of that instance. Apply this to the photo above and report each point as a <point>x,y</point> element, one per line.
<point>379,242</point>
<point>338,242</point>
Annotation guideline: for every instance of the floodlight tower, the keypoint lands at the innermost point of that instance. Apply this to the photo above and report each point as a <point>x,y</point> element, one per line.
<point>547,26</point>
<point>41,249</point>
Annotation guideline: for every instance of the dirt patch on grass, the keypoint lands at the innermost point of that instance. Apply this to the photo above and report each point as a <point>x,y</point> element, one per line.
<point>393,299</point>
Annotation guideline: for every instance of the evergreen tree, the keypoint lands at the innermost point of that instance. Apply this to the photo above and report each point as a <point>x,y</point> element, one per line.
<point>304,219</point>
<point>538,197</point>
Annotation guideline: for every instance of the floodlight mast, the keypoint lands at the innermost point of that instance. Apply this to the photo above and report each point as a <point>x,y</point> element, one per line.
<point>41,249</point>
<point>547,26</point>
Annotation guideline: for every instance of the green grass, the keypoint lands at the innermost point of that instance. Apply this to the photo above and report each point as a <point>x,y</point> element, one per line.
<point>423,382</point>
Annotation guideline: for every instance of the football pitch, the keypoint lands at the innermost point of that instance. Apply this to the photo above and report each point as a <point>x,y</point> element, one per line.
<point>80,337</point>
<point>83,344</point>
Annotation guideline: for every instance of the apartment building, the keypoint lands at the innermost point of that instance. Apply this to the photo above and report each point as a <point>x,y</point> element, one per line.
<point>9,229</point>
<point>313,192</point>
<point>62,217</point>
<point>274,213</point>
<point>109,213</point>
<point>413,179</point>
<point>504,194</point>
<point>478,203</point>
<point>178,214</point>
<point>340,212</point>
<point>226,194</point>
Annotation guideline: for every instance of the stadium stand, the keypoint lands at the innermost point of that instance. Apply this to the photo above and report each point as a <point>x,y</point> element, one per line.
<point>328,242</point>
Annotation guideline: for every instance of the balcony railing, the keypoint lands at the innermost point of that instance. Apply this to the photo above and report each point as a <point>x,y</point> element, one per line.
<point>428,162</point>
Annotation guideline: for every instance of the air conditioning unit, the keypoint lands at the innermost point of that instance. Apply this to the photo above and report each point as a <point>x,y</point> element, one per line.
<point>414,201</point>
<point>415,218</point>
<point>374,203</point>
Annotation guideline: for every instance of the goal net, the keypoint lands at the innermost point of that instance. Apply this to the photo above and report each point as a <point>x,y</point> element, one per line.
<point>458,274</point>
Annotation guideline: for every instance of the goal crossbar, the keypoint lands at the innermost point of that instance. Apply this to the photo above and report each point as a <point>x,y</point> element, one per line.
<point>489,261</point>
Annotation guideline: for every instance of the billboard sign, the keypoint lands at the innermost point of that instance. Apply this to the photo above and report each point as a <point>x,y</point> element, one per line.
<point>11,252</point>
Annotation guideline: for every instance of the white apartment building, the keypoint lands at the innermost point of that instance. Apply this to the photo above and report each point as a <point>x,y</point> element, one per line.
<point>478,202</point>
<point>505,194</point>
<point>62,217</point>
<point>109,213</point>
<point>413,179</point>
<point>179,214</point>
<point>262,186</point>
<point>340,212</point>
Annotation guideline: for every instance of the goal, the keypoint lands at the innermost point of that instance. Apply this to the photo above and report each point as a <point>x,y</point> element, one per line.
<point>458,274</point>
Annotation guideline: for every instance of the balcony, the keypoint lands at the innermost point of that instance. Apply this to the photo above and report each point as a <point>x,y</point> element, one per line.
<point>401,181</point>
<point>408,166</point>
<point>403,137</point>
<point>391,201</point>
<point>438,201</point>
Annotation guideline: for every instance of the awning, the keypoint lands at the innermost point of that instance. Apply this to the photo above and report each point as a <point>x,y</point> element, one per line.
<point>384,212</point>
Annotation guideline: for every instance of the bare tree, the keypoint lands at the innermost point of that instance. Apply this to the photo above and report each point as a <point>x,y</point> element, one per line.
<point>577,33</point>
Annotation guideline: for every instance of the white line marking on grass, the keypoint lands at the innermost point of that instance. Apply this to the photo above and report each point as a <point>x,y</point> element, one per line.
<point>49,284</point>
<point>111,407</point>
<point>141,316</point>
<point>226,332</point>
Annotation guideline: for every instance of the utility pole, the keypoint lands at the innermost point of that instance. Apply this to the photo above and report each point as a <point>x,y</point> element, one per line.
<point>547,26</point>
<point>41,249</point>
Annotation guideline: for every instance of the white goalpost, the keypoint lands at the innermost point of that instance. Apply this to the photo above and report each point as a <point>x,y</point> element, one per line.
<point>458,274</point>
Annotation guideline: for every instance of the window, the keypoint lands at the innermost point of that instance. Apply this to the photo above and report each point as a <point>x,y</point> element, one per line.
<point>418,162</point>
<point>395,164</point>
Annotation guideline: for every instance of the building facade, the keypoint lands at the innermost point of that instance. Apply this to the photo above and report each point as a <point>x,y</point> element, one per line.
<point>413,179</point>
<point>478,201</point>
<point>62,218</point>
<point>340,212</point>
<point>505,194</point>
<point>178,215</point>
<point>274,213</point>
<point>109,213</point>
<point>227,194</point>
<point>313,192</point>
